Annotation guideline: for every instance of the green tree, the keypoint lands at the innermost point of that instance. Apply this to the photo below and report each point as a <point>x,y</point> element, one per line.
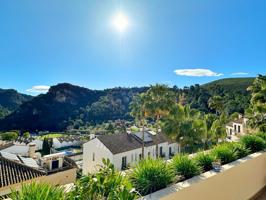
<point>216,103</point>
<point>139,112</point>
<point>107,184</point>
<point>26,135</point>
<point>47,145</point>
<point>157,103</point>
<point>257,109</point>
<point>9,136</point>
<point>218,129</point>
<point>185,125</point>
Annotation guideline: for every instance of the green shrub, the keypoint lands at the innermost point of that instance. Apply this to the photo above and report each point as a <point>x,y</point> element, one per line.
<point>239,149</point>
<point>225,153</point>
<point>38,191</point>
<point>262,135</point>
<point>151,175</point>
<point>185,167</point>
<point>205,160</point>
<point>9,136</point>
<point>107,184</point>
<point>254,143</point>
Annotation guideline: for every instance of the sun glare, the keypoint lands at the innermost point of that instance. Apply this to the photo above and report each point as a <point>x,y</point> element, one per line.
<point>120,22</point>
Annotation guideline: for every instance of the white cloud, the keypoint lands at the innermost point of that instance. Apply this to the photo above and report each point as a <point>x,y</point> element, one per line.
<point>39,89</point>
<point>240,73</point>
<point>196,72</point>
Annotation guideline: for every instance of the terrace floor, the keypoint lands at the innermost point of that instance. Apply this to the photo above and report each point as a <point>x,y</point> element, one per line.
<point>262,195</point>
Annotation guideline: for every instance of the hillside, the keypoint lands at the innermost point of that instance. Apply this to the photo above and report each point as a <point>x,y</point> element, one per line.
<point>232,90</point>
<point>230,83</point>
<point>66,106</point>
<point>10,100</point>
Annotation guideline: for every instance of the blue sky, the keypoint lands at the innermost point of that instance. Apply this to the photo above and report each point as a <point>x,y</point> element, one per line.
<point>48,42</point>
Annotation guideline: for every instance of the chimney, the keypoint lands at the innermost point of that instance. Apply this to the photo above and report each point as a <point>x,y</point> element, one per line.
<point>92,136</point>
<point>32,149</point>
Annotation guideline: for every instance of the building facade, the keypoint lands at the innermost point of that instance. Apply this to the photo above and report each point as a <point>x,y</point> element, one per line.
<point>125,150</point>
<point>237,127</point>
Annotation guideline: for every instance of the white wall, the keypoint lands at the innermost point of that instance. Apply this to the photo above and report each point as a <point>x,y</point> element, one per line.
<point>97,148</point>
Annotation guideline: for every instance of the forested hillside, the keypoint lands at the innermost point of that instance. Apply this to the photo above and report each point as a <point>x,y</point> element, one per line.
<point>66,106</point>
<point>232,90</point>
<point>10,100</point>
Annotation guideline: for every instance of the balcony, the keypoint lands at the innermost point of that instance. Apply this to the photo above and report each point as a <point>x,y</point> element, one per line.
<point>239,180</point>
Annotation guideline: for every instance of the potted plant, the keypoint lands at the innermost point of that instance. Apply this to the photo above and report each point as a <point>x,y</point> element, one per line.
<point>216,165</point>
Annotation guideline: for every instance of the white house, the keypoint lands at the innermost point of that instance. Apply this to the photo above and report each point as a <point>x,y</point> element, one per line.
<point>237,127</point>
<point>21,145</point>
<point>125,149</point>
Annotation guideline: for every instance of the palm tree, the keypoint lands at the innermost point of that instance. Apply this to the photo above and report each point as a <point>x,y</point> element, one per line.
<point>185,125</point>
<point>139,112</point>
<point>160,99</point>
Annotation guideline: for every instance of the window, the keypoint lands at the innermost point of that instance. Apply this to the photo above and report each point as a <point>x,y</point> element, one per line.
<point>124,163</point>
<point>239,129</point>
<point>55,164</point>
<point>170,151</point>
<point>235,127</point>
<point>93,156</point>
<point>161,151</point>
<point>139,156</point>
<point>149,154</point>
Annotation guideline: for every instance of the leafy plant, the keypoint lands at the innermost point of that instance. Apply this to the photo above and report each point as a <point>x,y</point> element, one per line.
<point>205,160</point>
<point>254,143</point>
<point>38,191</point>
<point>224,153</point>
<point>107,184</point>
<point>239,149</point>
<point>185,167</point>
<point>9,136</point>
<point>262,135</point>
<point>151,175</point>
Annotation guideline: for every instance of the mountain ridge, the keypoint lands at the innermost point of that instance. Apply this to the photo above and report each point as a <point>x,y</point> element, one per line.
<point>67,106</point>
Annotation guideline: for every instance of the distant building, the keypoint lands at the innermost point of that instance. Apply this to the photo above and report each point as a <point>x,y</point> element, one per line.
<point>125,149</point>
<point>55,169</point>
<point>21,145</point>
<point>237,127</point>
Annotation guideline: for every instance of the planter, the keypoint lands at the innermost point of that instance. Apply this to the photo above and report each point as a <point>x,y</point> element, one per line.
<point>217,166</point>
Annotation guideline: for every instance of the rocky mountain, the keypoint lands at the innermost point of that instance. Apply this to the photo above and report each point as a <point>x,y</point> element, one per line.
<point>10,100</point>
<point>66,106</point>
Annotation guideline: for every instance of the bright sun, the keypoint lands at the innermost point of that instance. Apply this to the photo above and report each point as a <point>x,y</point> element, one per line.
<point>120,22</point>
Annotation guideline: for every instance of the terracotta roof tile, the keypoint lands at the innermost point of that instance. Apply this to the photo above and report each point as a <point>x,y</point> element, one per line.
<point>12,172</point>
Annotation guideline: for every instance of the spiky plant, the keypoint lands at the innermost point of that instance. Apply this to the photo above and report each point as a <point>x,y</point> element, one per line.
<point>204,160</point>
<point>224,153</point>
<point>38,191</point>
<point>151,175</point>
<point>185,167</point>
<point>254,143</point>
